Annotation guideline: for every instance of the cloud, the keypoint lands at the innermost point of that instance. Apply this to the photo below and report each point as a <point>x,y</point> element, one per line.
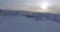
<point>29,5</point>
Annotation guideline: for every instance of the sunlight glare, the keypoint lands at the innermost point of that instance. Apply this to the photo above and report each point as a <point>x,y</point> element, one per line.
<point>44,5</point>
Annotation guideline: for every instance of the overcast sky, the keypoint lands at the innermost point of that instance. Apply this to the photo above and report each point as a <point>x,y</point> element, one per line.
<point>54,5</point>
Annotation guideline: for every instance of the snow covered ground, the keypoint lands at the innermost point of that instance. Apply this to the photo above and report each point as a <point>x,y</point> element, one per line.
<point>21,21</point>
<point>25,24</point>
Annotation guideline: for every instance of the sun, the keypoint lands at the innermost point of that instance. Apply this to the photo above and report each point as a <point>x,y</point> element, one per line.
<point>44,5</point>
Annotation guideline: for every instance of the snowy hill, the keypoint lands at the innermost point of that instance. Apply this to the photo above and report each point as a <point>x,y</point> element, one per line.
<point>21,21</point>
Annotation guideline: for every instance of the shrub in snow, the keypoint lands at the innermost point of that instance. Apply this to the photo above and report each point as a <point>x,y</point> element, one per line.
<point>29,16</point>
<point>37,18</point>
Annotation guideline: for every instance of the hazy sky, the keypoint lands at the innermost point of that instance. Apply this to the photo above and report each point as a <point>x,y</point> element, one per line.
<point>30,5</point>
